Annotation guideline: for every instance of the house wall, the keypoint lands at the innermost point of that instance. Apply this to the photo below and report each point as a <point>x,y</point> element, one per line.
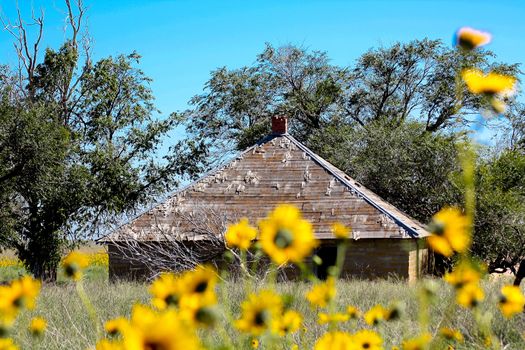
<point>121,268</point>
<point>365,258</point>
<point>373,258</point>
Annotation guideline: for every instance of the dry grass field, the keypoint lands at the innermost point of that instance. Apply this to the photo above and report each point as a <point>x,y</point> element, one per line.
<point>69,326</point>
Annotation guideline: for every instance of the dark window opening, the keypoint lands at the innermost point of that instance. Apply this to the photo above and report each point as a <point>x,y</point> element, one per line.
<point>328,256</point>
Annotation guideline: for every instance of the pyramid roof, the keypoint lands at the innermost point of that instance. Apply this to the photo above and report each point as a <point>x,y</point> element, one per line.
<point>278,169</point>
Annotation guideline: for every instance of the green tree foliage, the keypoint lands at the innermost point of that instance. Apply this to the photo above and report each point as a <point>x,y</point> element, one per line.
<point>409,167</point>
<point>235,110</point>
<point>77,148</point>
<point>500,219</point>
<point>404,82</point>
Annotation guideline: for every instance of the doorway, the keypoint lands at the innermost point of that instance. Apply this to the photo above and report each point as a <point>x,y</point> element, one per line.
<point>328,255</point>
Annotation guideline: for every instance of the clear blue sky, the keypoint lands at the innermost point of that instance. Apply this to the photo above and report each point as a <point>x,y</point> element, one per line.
<point>182,41</point>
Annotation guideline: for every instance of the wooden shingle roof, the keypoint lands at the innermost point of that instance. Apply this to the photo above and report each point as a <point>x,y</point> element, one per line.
<point>278,169</point>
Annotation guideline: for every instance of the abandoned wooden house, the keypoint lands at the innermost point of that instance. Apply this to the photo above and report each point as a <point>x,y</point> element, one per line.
<point>279,169</point>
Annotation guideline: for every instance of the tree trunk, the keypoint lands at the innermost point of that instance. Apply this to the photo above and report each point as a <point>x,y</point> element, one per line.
<point>43,271</point>
<point>41,254</point>
<point>521,273</point>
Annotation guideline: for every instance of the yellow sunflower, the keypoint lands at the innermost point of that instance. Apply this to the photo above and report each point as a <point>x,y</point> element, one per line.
<point>158,330</point>
<point>511,301</point>
<point>74,263</point>
<point>465,273</point>
<point>332,318</point>
<point>37,326</point>
<point>289,322</point>
<point>240,235</point>
<point>420,342</point>
<point>341,231</point>
<point>449,228</point>
<point>260,313</point>
<point>469,295</point>
<point>367,339</point>
<point>353,312</point>
<point>8,307</point>
<point>166,290</point>
<point>285,236</point>
<point>376,315</point>
<point>451,334</point>
<point>8,344</point>
<point>335,340</point>
<point>323,293</point>
<point>116,326</point>
<point>106,344</point>
<point>488,84</point>
<point>470,38</point>
<point>202,280</point>
<point>21,293</point>
<point>199,310</point>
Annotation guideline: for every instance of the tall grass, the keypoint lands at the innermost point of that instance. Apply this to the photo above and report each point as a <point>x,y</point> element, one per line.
<point>69,326</point>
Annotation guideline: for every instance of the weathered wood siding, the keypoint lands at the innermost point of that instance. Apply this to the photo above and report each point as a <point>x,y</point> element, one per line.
<point>367,258</point>
<point>370,258</point>
<point>121,268</point>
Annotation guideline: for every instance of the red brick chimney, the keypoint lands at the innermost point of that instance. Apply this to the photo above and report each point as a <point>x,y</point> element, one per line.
<point>279,124</point>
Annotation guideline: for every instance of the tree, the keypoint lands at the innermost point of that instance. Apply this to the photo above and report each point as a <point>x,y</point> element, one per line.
<point>235,110</point>
<point>499,236</point>
<point>404,82</point>
<point>410,168</point>
<point>77,145</point>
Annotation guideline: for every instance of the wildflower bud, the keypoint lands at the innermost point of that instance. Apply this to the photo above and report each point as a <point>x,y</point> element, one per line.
<point>228,256</point>
<point>340,231</point>
<point>207,315</point>
<point>429,290</point>
<point>498,106</point>
<point>395,312</point>
<point>470,38</point>
<point>287,300</point>
<point>332,271</point>
<point>317,260</point>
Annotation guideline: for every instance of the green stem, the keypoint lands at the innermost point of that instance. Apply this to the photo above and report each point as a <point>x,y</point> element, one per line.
<point>92,312</point>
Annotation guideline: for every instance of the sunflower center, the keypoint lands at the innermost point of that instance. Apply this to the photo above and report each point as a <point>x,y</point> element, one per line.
<point>19,302</point>
<point>394,314</point>
<point>154,346</point>
<point>261,318</point>
<point>366,345</point>
<point>172,299</point>
<point>283,238</point>
<point>71,269</point>
<point>201,287</point>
